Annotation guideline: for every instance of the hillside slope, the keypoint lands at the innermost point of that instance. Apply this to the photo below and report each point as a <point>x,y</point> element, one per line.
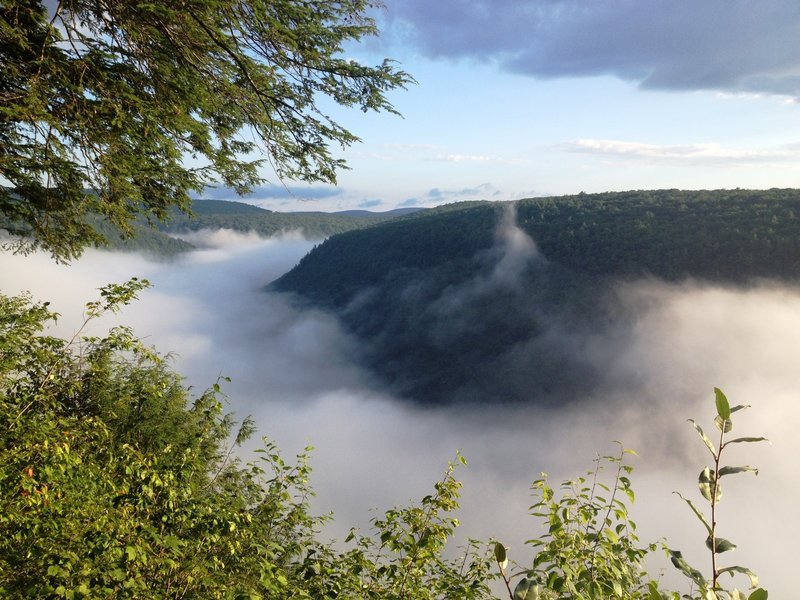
<point>459,303</point>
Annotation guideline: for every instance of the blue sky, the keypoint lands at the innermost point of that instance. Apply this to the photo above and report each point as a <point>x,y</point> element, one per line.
<point>520,98</point>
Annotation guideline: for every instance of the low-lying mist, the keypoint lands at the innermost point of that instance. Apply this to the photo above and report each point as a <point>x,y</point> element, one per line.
<point>294,371</point>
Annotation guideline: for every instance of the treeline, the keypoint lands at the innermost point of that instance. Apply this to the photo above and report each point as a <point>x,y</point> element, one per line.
<point>145,239</point>
<point>724,235</point>
<point>727,235</point>
<point>446,238</point>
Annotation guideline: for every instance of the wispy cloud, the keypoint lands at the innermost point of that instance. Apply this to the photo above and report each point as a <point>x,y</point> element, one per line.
<point>271,192</point>
<point>462,158</point>
<point>436,196</point>
<point>699,154</point>
<point>434,153</point>
<point>478,158</point>
<point>397,146</point>
<point>371,203</point>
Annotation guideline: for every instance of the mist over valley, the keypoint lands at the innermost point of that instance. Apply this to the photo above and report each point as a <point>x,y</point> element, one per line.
<point>468,328</point>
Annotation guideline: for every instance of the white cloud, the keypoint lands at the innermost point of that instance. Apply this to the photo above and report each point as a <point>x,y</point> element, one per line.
<point>689,154</point>
<point>462,158</point>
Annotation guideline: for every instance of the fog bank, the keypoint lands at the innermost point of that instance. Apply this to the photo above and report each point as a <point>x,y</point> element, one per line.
<point>294,371</point>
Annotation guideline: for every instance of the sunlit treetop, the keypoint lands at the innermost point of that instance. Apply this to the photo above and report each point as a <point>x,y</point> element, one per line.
<point>122,108</point>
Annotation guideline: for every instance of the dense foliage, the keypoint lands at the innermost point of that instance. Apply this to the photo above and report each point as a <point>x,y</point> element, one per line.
<point>102,104</point>
<point>441,315</point>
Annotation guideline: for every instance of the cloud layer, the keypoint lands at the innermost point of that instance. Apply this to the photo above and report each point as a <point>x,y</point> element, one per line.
<point>736,46</point>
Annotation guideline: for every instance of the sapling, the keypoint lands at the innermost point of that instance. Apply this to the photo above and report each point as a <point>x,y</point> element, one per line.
<point>590,548</point>
<point>709,484</point>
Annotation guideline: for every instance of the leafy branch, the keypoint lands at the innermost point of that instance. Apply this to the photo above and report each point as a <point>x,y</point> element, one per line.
<point>710,489</point>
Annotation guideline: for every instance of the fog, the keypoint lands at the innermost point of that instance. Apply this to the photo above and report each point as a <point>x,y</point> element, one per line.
<point>294,371</point>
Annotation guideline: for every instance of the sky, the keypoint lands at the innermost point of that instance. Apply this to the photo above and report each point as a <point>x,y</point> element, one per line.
<point>522,98</point>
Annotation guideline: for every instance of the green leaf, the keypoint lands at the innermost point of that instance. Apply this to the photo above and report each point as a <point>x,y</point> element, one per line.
<point>709,487</point>
<point>696,512</point>
<point>732,470</point>
<point>680,563</point>
<point>131,552</point>
<point>500,555</point>
<point>527,590</point>
<point>724,425</point>
<point>721,545</point>
<point>736,569</point>
<point>746,440</point>
<point>759,594</point>
<point>723,408</point>
<point>709,444</point>
<point>172,542</point>
<point>652,591</point>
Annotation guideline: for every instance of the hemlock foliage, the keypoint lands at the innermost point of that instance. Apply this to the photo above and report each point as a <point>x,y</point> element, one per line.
<point>122,108</point>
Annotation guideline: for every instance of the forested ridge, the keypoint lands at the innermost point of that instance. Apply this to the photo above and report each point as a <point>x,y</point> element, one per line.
<point>422,292</point>
<point>162,240</point>
<point>726,235</point>
<point>238,216</point>
<point>719,235</point>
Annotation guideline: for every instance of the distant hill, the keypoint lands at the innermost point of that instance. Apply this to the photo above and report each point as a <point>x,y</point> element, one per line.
<point>397,212</point>
<point>225,207</point>
<point>445,303</point>
<point>239,216</point>
<point>147,240</point>
<point>225,214</point>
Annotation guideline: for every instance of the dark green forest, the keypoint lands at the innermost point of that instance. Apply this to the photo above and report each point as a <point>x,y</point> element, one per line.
<point>423,293</point>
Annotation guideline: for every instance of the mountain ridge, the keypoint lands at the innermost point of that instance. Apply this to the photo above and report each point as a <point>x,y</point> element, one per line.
<point>435,318</point>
